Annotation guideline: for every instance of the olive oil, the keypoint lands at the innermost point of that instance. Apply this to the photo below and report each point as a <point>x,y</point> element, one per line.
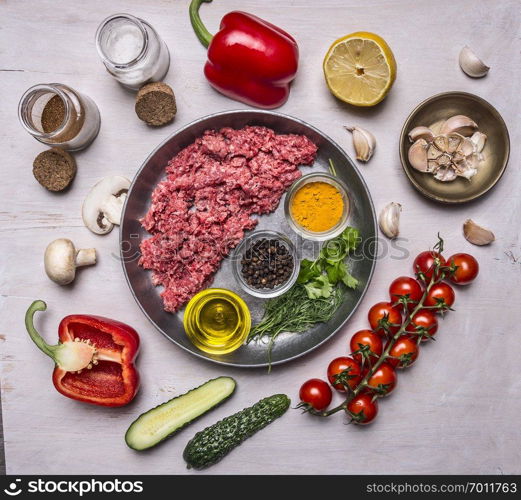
<point>217,321</point>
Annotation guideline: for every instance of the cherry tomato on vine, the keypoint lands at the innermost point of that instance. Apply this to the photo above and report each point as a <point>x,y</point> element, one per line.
<point>467,268</point>
<point>385,312</point>
<point>383,380</point>
<point>404,352</point>
<point>440,293</point>
<point>366,345</point>
<point>423,321</point>
<point>316,393</point>
<point>346,370</point>
<point>404,285</point>
<point>362,409</point>
<point>425,262</point>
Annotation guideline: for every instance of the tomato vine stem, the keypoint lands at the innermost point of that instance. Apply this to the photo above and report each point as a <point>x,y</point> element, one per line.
<point>438,276</point>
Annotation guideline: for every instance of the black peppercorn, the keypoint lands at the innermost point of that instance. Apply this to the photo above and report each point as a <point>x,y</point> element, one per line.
<point>267,263</point>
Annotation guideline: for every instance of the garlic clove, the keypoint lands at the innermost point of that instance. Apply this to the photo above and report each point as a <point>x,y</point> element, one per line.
<point>477,235</point>
<point>436,153</point>
<point>467,147</point>
<point>441,142</point>
<point>418,155</point>
<point>479,139</point>
<point>459,124</point>
<point>471,64</point>
<point>389,220</point>
<point>421,133</point>
<point>445,174</point>
<point>454,141</point>
<point>364,143</point>
<point>468,168</point>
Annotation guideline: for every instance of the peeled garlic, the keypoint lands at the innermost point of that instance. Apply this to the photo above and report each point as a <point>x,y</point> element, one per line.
<point>479,139</point>
<point>418,155</point>
<point>471,64</point>
<point>364,143</point>
<point>459,124</point>
<point>389,220</point>
<point>421,133</point>
<point>477,235</point>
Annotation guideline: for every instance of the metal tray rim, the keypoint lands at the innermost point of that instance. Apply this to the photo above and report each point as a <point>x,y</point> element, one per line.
<point>373,262</point>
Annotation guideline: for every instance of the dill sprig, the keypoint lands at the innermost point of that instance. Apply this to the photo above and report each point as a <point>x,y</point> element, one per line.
<point>295,312</point>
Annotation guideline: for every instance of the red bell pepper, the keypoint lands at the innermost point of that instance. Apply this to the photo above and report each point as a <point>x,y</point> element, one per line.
<point>249,59</point>
<point>94,358</point>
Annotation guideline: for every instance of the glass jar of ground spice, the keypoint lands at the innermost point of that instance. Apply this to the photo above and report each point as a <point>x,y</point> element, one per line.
<point>59,116</point>
<point>317,206</point>
<point>132,51</point>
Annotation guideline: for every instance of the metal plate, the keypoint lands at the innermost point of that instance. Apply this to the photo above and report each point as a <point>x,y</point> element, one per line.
<point>438,108</point>
<point>288,346</point>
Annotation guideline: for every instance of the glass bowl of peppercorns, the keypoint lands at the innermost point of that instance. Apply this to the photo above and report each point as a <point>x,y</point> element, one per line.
<point>265,264</point>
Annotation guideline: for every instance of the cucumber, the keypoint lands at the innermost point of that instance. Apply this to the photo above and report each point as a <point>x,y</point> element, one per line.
<point>213,443</point>
<point>161,422</point>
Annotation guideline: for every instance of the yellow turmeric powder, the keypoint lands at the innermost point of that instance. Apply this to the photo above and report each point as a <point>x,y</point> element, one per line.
<point>317,206</point>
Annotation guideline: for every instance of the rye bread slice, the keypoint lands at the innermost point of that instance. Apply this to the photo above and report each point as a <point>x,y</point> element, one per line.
<point>155,104</point>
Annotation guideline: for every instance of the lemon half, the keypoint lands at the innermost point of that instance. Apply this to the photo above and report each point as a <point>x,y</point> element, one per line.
<point>360,68</point>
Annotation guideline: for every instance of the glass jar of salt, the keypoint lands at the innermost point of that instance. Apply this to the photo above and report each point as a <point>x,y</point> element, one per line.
<point>132,51</point>
<point>58,115</point>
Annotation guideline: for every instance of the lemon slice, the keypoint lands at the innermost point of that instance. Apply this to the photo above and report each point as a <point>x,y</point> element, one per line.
<point>360,68</point>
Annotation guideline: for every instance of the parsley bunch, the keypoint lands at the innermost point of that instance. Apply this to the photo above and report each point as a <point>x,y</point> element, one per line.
<point>320,276</point>
<point>315,297</point>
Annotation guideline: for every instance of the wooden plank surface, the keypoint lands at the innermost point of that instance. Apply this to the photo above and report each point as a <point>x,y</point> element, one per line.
<point>456,411</point>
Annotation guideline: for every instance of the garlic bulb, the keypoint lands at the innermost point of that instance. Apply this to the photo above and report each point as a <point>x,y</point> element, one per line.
<point>471,64</point>
<point>459,124</point>
<point>389,220</point>
<point>477,235</point>
<point>364,143</point>
<point>421,133</point>
<point>454,152</point>
<point>451,156</point>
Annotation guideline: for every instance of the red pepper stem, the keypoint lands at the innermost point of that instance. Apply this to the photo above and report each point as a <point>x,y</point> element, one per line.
<point>37,305</point>
<point>71,355</point>
<point>205,37</point>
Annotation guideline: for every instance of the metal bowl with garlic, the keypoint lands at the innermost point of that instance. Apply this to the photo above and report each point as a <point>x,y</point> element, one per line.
<point>454,147</point>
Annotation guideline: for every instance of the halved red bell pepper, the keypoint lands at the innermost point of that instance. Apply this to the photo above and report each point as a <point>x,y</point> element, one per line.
<point>94,358</point>
<point>249,59</point>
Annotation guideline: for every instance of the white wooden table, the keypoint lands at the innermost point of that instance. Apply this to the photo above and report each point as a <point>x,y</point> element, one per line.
<point>456,411</point>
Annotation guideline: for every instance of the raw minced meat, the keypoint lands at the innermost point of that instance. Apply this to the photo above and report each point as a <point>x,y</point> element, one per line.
<point>204,206</point>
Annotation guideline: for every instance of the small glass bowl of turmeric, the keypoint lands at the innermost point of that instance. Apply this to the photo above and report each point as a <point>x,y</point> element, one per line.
<point>317,206</point>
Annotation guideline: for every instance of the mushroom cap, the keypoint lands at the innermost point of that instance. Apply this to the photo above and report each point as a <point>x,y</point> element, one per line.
<point>103,205</point>
<point>59,261</point>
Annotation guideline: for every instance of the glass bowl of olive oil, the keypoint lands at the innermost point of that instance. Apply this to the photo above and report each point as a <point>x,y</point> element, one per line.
<point>217,321</point>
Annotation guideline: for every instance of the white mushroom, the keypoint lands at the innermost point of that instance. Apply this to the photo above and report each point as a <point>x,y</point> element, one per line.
<point>61,260</point>
<point>103,205</point>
